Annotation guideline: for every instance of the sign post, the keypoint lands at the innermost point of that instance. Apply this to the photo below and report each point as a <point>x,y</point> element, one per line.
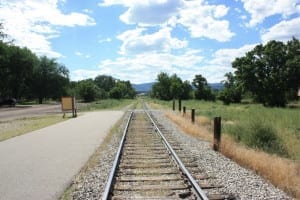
<point>68,104</point>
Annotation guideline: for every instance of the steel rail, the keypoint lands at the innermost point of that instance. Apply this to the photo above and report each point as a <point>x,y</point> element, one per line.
<point>201,194</point>
<point>109,182</point>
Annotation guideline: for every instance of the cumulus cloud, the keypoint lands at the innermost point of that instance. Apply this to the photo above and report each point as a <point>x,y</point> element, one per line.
<point>282,31</point>
<point>227,56</point>
<point>143,68</point>
<point>204,20</point>
<point>220,64</point>
<point>260,10</point>
<point>135,42</point>
<point>32,23</point>
<point>150,64</point>
<point>200,18</point>
<point>187,65</point>
<point>152,12</point>
<point>82,74</point>
<point>148,12</point>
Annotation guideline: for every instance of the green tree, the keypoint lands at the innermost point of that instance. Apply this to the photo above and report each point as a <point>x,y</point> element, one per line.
<point>105,82</point>
<point>203,91</point>
<point>161,89</point>
<point>270,71</point>
<point>50,79</point>
<point>231,92</point>
<point>116,93</point>
<point>170,87</point>
<point>187,90</point>
<point>16,67</point>
<point>2,34</point>
<point>293,67</point>
<point>123,89</point>
<point>87,90</point>
<point>176,87</point>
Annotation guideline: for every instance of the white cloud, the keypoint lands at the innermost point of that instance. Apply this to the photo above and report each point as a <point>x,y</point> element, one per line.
<point>282,31</point>
<point>147,12</point>
<point>224,57</point>
<point>104,40</point>
<point>145,67</point>
<point>151,12</point>
<point>88,11</point>
<point>204,20</point>
<point>201,19</point>
<point>126,3</point>
<point>134,42</point>
<point>220,64</point>
<point>260,10</point>
<point>32,23</point>
<point>82,55</point>
<point>82,74</point>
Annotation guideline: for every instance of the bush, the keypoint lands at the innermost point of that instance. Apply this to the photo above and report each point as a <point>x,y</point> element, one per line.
<point>256,133</point>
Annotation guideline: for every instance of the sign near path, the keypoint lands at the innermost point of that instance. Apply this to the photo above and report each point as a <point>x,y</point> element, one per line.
<point>68,104</point>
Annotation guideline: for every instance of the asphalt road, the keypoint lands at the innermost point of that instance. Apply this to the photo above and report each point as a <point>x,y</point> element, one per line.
<point>41,164</point>
<point>8,113</point>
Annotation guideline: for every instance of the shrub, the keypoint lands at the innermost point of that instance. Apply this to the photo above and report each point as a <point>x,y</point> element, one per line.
<point>257,133</point>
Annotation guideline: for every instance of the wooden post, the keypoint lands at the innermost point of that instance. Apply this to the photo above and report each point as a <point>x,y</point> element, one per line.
<point>184,110</point>
<point>217,133</point>
<point>173,104</point>
<point>179,105</point>
<point>74,109</point>
<point>193,116</point>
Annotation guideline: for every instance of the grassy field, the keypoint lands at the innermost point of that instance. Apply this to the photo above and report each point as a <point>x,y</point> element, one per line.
<point>106,104</point>
<point>266,140</point>
<point>13,128</point>
<point>273,130</point>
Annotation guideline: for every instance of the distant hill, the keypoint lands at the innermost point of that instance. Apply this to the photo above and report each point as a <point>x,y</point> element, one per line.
<point>143,87</point>
<point>216,86</point>
<point>146,87</point>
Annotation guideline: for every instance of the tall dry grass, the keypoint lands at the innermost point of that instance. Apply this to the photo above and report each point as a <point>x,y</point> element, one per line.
<point>281,172</point>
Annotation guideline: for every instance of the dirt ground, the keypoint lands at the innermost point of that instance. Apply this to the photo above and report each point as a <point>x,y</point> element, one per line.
<point>11,113</point>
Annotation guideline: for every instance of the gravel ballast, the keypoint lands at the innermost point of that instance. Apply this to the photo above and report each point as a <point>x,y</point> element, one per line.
<point>236,180</point>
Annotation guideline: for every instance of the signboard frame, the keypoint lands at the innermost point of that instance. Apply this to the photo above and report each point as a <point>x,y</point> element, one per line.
<point>68,104</point>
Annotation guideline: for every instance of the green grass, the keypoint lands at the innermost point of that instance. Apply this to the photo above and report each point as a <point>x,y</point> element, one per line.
<point>107,104</point>
<point>13,128</point>
<point>274,130</point>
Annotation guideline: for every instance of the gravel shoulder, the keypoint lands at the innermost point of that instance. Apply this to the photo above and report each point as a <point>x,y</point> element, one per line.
<point>243,183</point>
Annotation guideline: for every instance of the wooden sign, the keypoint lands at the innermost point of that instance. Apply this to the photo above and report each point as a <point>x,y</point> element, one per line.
<point>68,105</point>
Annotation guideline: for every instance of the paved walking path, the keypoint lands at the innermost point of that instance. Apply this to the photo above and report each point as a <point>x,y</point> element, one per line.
<point>41,164</point>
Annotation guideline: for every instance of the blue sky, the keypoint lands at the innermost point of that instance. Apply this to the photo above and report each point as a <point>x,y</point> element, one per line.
<point>135,40</point>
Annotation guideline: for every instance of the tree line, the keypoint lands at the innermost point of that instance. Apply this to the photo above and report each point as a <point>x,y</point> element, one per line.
<point>102,87</point>
<point>172,87</point>
<point>268,74</point>
<point>25,76</point>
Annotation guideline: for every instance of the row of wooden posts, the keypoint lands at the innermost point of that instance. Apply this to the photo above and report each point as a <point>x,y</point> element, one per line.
<point>217,124</point>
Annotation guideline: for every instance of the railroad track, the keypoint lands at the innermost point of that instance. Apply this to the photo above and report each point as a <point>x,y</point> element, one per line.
<point>147,167</point>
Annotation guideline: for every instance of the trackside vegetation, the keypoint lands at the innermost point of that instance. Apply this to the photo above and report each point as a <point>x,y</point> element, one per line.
<point>273,130</point>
